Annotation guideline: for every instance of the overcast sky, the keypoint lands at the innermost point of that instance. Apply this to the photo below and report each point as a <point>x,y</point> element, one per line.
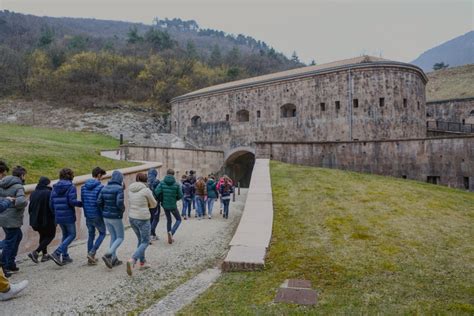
<point>323,30</point>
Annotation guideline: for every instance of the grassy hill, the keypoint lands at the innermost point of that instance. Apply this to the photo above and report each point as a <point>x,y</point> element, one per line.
<point>456,82</point>
<point>45,151</point>
<point>369,244</point>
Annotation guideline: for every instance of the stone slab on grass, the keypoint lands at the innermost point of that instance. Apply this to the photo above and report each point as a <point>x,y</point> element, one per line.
<point>296,296</point>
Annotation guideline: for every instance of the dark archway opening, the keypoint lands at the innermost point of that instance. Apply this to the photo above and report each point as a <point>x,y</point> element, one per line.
<point>239,167</point>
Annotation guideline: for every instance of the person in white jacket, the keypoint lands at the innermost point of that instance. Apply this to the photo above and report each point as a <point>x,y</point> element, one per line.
<point>141,200</point>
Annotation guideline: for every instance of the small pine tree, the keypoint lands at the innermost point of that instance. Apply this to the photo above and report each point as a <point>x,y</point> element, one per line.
<point>295,58</point>
<point>439,66</point>
<point>313,63</point>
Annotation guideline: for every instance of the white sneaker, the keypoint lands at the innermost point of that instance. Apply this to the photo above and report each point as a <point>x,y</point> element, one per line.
<point>14,290</point>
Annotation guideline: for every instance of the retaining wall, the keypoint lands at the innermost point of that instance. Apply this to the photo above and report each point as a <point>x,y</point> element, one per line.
<point>30,237</point>
<point>204,162</point>
<point>445,160</point>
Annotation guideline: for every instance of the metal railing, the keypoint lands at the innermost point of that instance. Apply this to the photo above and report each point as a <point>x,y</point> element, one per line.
<point>449,127</point>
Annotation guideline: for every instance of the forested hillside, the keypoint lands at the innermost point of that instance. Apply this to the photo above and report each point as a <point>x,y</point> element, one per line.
<point>81,60</point>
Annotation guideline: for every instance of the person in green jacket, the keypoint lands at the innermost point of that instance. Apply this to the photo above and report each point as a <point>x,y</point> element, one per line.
<point>212,195</point>
<point>169,192</point>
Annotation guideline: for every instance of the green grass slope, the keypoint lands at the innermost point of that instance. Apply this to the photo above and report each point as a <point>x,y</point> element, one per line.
<point>369,244</point>
<point>450,83</point>
<point>45,151</point>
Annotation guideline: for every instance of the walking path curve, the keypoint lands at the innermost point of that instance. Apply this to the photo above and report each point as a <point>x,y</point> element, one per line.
<point>78,288</point>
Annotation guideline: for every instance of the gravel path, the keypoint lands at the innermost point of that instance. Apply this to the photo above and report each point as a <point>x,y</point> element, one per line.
<point>184,294</point>
<point>79,288</point>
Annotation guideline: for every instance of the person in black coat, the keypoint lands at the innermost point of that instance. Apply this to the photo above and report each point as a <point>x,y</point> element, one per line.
<point>42,219</point>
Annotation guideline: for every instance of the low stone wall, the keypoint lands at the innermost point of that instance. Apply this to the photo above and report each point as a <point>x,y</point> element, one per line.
<point>444,160</point>
<point>251,240</point>
<point>452,110</point>
<point>204,162</point>
<point>30,237</point>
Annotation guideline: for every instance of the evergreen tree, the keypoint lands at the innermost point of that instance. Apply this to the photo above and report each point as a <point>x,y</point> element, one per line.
<point>133,36</point>
<point>439,66</point>
<point>294,58</point>
<point>215,60</point>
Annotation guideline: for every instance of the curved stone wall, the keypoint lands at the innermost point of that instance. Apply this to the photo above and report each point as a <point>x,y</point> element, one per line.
<point>369,101</point>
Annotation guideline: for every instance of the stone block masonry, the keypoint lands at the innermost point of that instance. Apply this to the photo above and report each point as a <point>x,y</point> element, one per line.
<point>204,162</point>
<point>445,160</point>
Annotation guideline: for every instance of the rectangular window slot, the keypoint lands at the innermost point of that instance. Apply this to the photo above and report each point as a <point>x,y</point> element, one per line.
<point>405,103</point>
<point>227,117</point>
<point>338,105</point>
<point>382,102</point>
<point>466,183</point>
<point>258,114</point>
<point>433,179</point>
<point>355,103</point>
<point>323,106</point>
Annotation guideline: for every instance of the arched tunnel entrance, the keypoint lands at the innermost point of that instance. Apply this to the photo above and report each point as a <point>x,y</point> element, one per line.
<point>239,165</point>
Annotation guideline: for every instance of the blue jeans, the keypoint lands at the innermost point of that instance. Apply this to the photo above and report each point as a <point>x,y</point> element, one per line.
<point>210,205</point>
<point>92,225</point>
<point>141,227</point>
<point>169,220</point>
<point>186,207</point>
<point>154,219</point>
<point>200,204</point>
<point>69,234</point>
<point>226,207</point>
<point>11,243</point>
<point>117,233</point>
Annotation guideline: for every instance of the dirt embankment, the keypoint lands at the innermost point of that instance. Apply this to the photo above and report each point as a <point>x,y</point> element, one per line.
<point>142,126</point>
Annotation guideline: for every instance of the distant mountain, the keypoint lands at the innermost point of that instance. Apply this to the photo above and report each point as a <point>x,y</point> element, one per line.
<point>456,52</point>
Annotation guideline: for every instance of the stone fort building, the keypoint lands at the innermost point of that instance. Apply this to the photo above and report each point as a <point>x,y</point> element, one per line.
<point>365,114</point>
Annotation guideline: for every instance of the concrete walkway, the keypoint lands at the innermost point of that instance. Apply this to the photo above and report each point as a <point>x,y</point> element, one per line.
<point>78,288</point>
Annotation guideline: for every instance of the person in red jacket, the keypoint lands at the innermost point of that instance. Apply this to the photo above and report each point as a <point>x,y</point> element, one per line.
<point>218,187</point>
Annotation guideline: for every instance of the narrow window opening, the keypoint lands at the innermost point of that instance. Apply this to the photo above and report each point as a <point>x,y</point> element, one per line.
<point>175,124</point>
<point>258,114</point>
<point>382,102</point>
<point>243,116</point>
<point>418,105</point>
<point>463,122</point>
<point>466,183</point>
<point>433,179</point>
<point>355,103</point>
<point>288,110</point>
<point>338,105</point>
<point>323,106</point>
<point>227,117</point>
<point>405,103</point>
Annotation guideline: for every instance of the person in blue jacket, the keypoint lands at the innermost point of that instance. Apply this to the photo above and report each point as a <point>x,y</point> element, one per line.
<point>6,203</point>
<point>153,182</point>
<point>63,203</point>
<point>94,221</point>
<point>111,204</point>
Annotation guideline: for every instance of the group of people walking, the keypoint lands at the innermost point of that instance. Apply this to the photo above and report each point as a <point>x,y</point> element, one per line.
<point>104,207</point>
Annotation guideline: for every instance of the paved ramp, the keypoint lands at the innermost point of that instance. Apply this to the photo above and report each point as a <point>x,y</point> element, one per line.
<point>252,238</point>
